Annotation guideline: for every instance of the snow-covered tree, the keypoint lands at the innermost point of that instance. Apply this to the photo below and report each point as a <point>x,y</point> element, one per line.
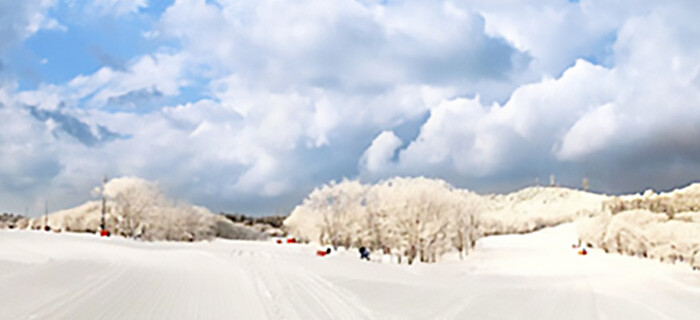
<point>142,211</point>
<point>657,226</point>
<point>136,208</point>
<point>133,203</point>
<point>419,213</point>
<point>413,218</point>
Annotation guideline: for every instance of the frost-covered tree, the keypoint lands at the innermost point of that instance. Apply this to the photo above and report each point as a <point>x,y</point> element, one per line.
<point>332,214</point>
<point>465,231</point>
<point>140,210</point>
<point>412,218</point>
<point>133,202</point>
<point>343,210</point>
<point>136,208</point>
<point>657,226</point>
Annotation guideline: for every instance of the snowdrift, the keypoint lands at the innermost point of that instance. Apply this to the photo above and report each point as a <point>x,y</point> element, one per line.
<point>420,218</point>
<point>662,226</point>
<point>135,208</point>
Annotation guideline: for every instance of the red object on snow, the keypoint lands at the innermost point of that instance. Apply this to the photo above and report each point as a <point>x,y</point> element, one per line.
<point>291,240</point>
<point>583,252</point>
<point>104,233</point>
<point>279,241</point>
<point>321,253</point>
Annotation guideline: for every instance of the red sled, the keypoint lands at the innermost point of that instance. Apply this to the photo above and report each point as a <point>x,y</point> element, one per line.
<point>104,233</point>
<point>321,253</point>
<point>291,240</point>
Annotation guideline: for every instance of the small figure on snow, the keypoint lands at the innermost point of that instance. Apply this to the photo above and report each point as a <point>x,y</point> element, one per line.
<point>323,253</point>
<point>364,253</point>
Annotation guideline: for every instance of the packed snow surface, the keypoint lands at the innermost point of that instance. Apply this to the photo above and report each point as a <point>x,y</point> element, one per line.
<point>531,276</point>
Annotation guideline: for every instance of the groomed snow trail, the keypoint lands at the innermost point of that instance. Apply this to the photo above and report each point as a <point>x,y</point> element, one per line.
<point>534,276</point>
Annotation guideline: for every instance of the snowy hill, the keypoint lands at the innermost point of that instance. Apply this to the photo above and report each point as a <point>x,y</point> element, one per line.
<point>663,226</point>
<point>83,218</point>
<point>135,208</point>
<point>420,218</point>
<point>424,219</point>
<point>534,208</point>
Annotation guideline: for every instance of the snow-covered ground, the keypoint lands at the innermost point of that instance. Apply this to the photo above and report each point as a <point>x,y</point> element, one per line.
<point>532,276</point>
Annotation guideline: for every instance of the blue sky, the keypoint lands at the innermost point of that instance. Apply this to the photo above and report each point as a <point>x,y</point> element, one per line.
<point>247,106</point>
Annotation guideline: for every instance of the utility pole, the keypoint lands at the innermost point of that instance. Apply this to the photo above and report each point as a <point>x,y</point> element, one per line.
<point>104,205</point>
<point>46,216</point>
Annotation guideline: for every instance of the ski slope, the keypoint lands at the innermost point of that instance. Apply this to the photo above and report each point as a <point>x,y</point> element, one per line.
<point>533,276</point>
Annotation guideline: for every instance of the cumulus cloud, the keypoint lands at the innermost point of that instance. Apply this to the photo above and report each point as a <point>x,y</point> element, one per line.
<point>284,89</point>
<point>380,152</point>
<point>479,140</point>
<point>345,45</point>
<point>292,94</point>
<point>592,132</point>
<point>27,158</point>
<point>591,119</point>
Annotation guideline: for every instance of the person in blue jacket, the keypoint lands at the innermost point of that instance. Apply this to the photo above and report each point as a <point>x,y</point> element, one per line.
<point>364,253</point>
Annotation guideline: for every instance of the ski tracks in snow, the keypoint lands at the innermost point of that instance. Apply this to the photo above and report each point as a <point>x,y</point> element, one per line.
<point>291,292</point>
<point>46,276</point>
<point>56,296</point>
<point>144,284</point>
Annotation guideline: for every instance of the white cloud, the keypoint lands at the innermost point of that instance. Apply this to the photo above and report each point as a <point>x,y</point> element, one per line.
<point>116,7</point>
<point>623,113</point>
<point>480,140</point>
<point>343,45</point>
<point>28,161</point>
<point>380,153</point>
<point>303,92</point>
<point>162,72</point>
<point>592,132</point>
<point>555,33</point>
<point>21,19</point>
<point>157,74</point>
<point>26,158</point>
